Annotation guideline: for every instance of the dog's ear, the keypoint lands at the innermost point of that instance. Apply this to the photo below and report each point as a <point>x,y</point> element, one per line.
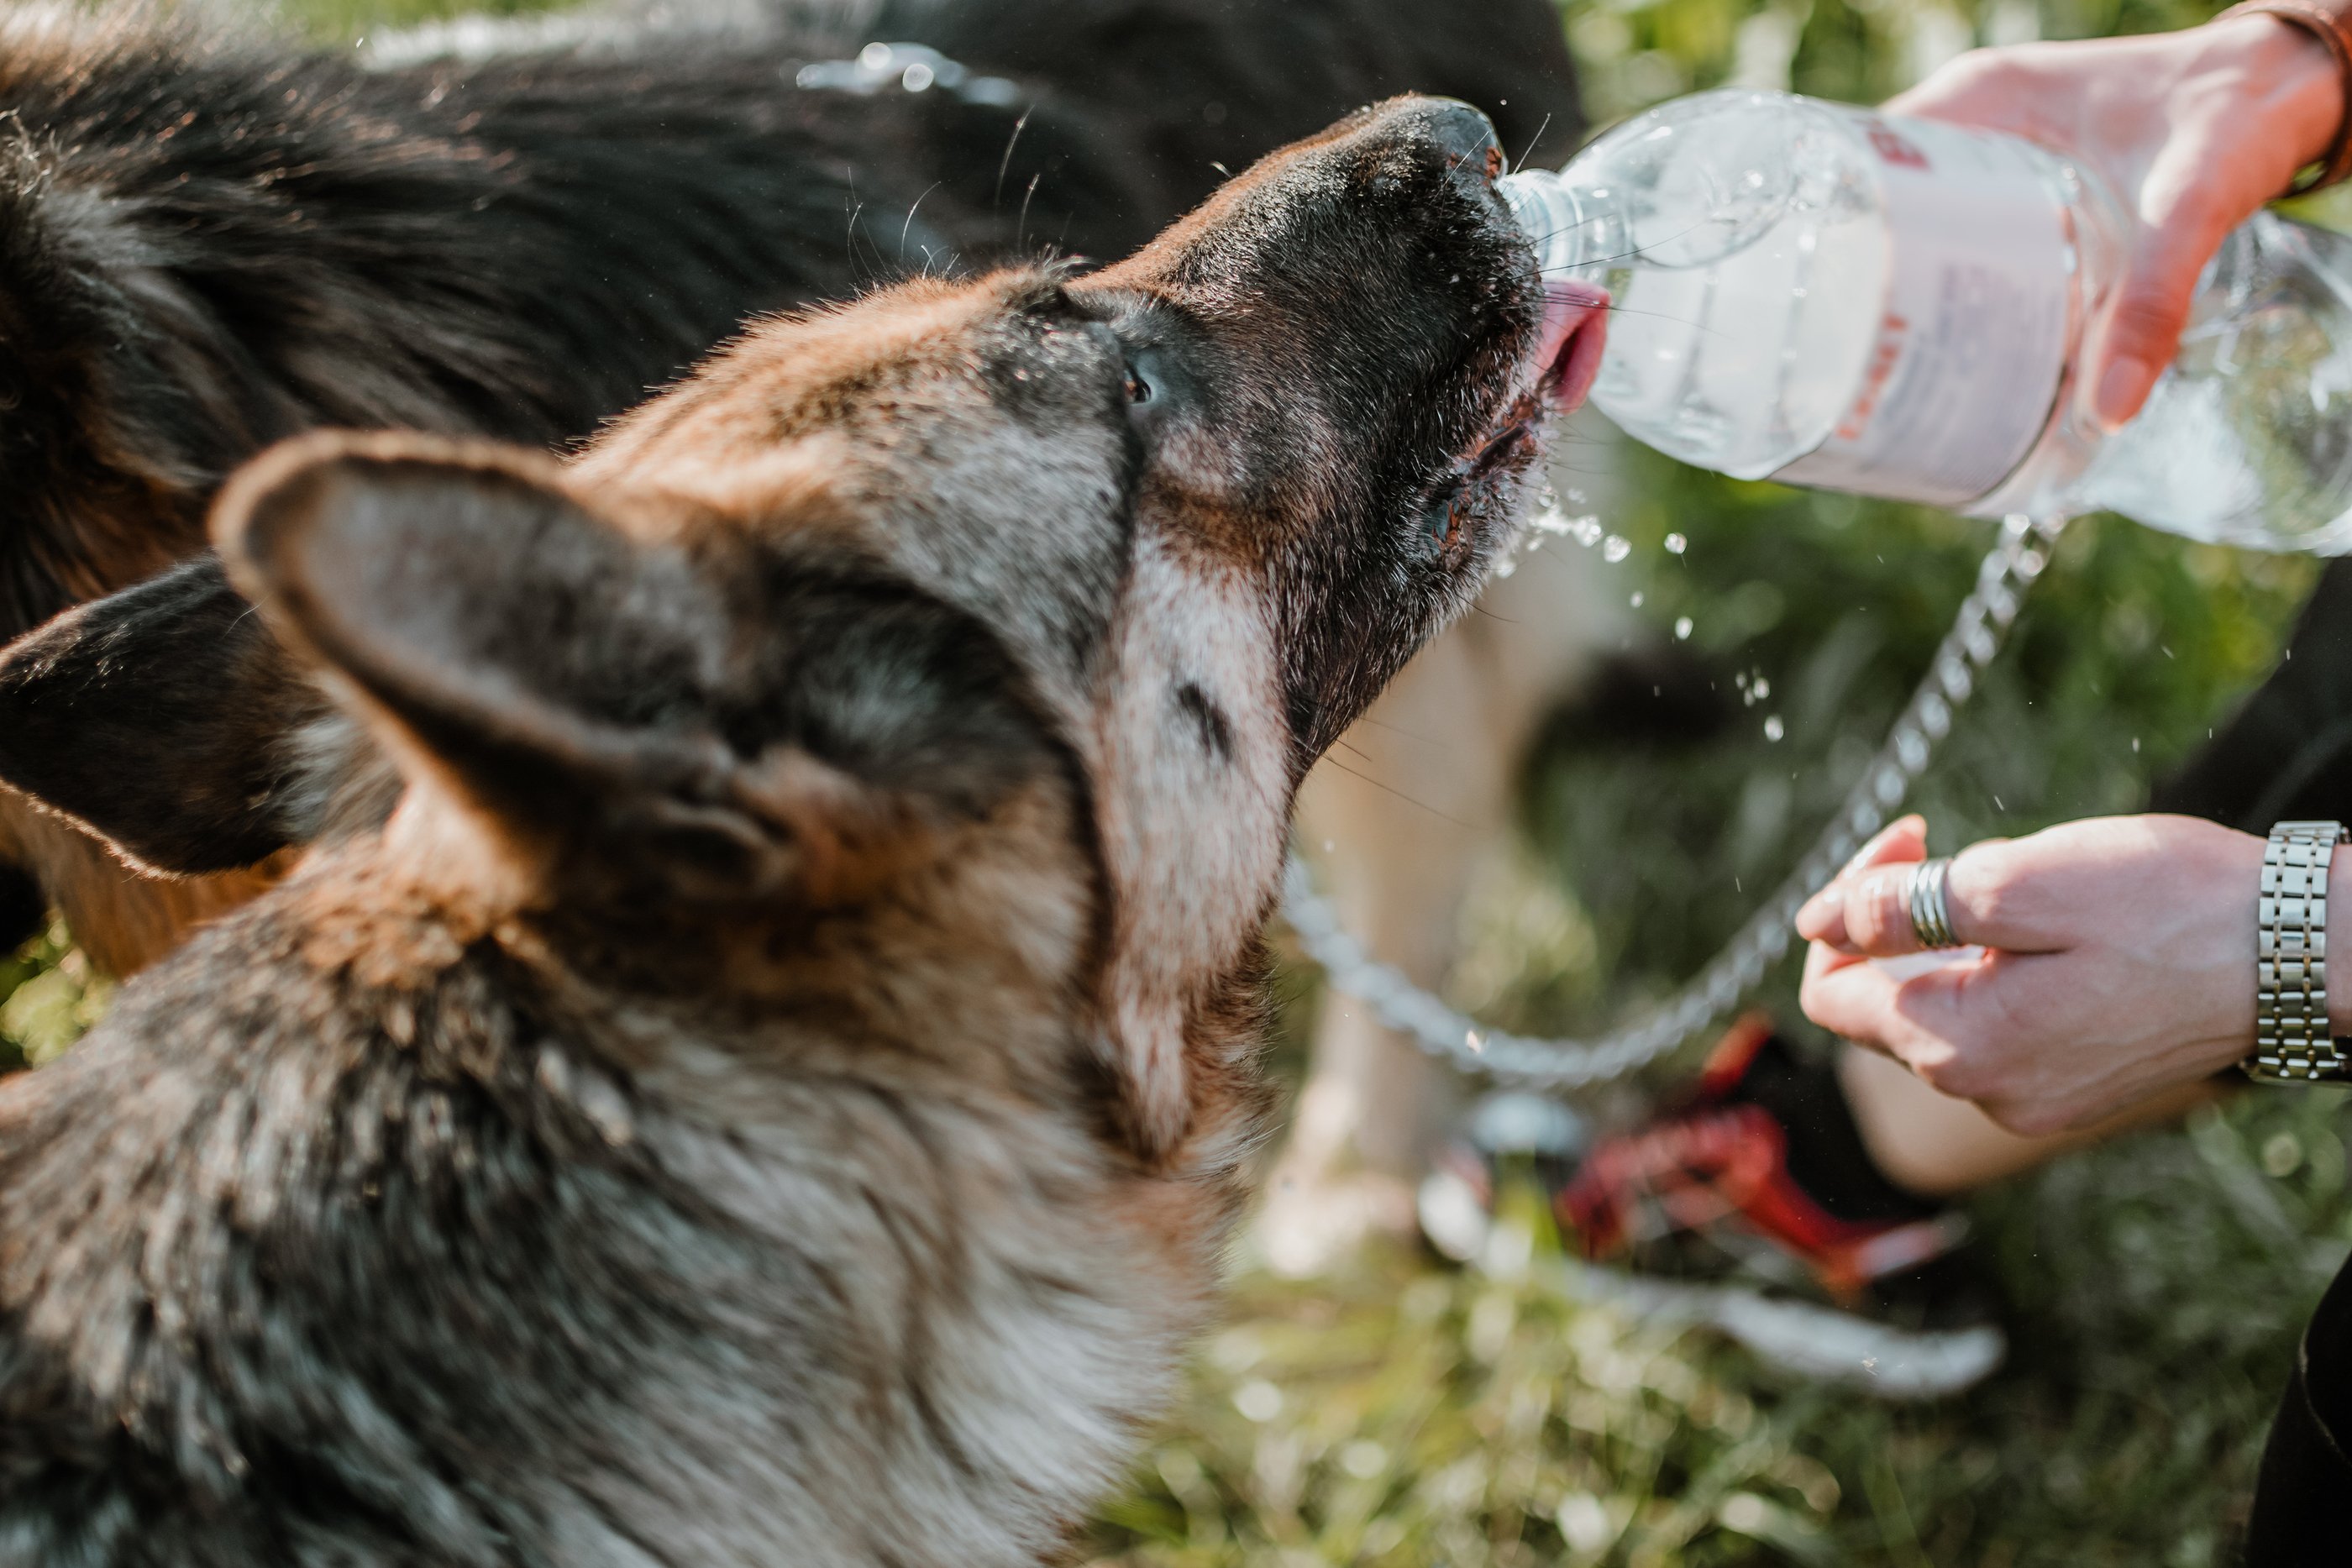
<point>555,672</point>
<point>699,710</point>
<point>162,718</point>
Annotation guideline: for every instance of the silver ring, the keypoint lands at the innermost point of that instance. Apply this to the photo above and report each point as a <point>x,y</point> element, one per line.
<point>1931,919</point>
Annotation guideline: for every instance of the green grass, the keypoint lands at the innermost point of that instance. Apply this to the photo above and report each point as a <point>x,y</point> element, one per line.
<point>1405,1414</point>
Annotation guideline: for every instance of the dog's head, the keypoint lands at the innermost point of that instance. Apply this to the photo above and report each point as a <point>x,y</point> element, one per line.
<point>1139,544</point>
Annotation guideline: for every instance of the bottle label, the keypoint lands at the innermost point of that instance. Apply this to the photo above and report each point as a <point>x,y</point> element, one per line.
<point>1972,338</point>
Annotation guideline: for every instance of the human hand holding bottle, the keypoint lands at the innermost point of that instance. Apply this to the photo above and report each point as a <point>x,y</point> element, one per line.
<point>2197,129</point>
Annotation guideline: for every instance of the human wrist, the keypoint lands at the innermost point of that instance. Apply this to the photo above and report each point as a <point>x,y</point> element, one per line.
<point>2296,58</point>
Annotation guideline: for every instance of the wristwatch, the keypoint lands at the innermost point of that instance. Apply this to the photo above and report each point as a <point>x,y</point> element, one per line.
<point>2291,1043</point>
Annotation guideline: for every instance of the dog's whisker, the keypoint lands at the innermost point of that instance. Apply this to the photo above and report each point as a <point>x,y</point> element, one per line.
<point>1021,233</point>
<point>996,196</point>
<point>1392,789</point>
<point>1538,136</point>
<point>1396,730</point>
<point>905,227</point>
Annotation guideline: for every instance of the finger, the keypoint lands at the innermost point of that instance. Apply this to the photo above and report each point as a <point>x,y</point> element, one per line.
<point>1875,912</point>
<point>1855,1000</point>
<point>1823,917</point>
<point>1874,916</point>
<point>2182,223</point>
<point>1821,959</point>
<point>1923,1022</point>
<point>1904,839</point>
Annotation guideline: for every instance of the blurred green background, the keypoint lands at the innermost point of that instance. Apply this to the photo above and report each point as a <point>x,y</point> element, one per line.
<point>1407,1415</point>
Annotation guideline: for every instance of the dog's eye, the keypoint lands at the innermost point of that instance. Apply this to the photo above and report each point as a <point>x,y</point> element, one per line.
<point>1442,520</point>
<point>1148,380</point>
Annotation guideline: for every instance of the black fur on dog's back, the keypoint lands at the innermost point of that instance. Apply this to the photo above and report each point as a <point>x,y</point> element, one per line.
<point>205,247</point>
<point>208,243</point>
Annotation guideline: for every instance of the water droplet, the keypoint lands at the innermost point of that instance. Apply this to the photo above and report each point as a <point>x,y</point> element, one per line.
<point>1473,1042</point>
<point>1617,547</point>
<point>2134,746</point>
<point>874,57</point>
<point>1773,729</point>
<point>918,78</point>
<point>1637,601</point>
<point>1505,567</point>
<point>1763,688</point>
<point>1681,628</point>
<point>1576,498</point>
<point>1585,530</point>
<point>1676,544</point>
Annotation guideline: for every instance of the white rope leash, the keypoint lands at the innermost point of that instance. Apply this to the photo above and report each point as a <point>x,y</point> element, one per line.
<point>1454,1038</point>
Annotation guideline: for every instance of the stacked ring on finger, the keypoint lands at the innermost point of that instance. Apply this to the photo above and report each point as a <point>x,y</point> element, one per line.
<point>1931,917</point>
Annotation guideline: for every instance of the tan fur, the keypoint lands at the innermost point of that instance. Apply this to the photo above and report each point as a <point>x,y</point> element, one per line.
<point>124,919</point>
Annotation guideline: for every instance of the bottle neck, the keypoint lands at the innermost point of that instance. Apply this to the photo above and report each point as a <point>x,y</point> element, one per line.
<point>1572,227</point>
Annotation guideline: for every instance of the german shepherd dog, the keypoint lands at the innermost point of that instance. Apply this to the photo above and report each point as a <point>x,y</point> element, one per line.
<point>208,243</point>
<point>775,1089</point>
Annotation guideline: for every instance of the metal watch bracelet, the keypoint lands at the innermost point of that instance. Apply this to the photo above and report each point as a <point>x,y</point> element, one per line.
<point>2291,1040</point>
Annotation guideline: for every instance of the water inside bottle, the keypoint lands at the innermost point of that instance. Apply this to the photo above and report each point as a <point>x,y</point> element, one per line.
<point>1733,230</point>
<point>2247,438</point>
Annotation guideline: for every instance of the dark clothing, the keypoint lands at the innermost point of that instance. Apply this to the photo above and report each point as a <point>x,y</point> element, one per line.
<point>2287,754</point>
<point>2304,1496</point>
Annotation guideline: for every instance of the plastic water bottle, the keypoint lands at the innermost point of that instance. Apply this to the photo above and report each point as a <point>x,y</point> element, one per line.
<point>1831,297</point>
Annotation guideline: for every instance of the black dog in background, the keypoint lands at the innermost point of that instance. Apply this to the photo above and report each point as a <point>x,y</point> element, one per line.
<point>210,243</point>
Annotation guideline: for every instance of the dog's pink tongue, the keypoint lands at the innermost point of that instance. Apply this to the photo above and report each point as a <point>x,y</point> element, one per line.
<point>1575,329</point>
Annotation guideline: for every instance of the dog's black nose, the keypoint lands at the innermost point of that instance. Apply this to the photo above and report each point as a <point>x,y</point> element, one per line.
<point>1468,138</point>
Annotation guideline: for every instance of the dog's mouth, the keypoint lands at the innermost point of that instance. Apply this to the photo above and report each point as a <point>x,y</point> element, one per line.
<point>1554,379</point>
<point>1558,373</point>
